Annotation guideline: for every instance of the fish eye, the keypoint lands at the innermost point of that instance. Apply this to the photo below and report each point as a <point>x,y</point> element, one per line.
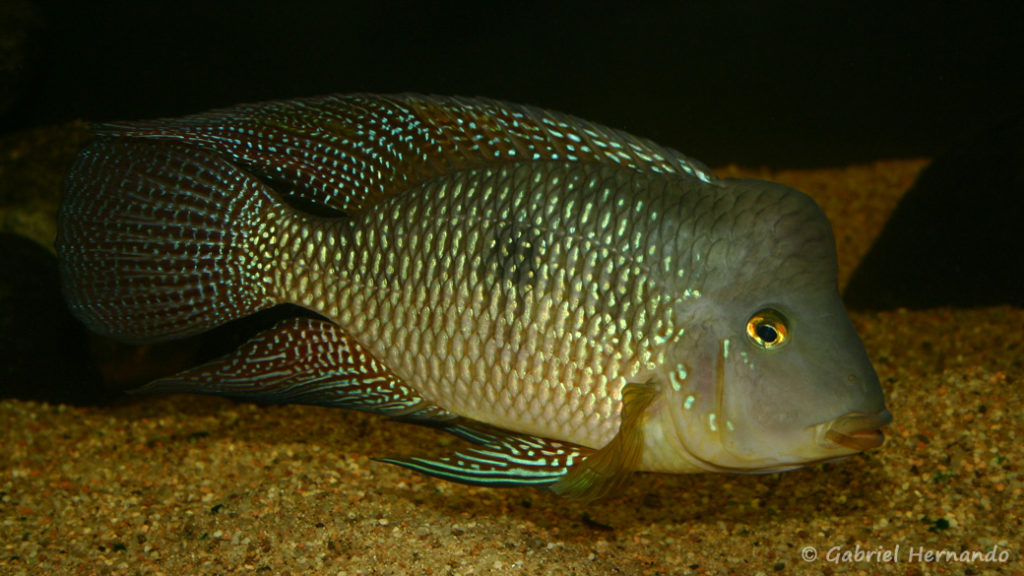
<point>768,329</point>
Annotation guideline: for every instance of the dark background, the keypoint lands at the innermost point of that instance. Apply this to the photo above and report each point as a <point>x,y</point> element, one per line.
<point>787,84</point>
<point>777,84</point>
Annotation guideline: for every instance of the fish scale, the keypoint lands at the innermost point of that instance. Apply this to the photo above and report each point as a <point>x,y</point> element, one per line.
<point>579,363</point>
<point>576,302</point>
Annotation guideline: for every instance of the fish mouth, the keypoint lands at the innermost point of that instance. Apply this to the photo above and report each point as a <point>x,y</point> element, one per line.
<point>858,430</point>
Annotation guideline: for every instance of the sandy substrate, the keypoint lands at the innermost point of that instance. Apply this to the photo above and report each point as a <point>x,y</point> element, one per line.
<point>198,485</point>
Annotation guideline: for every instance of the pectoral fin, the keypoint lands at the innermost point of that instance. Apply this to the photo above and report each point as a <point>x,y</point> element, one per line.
<point>607,469</point>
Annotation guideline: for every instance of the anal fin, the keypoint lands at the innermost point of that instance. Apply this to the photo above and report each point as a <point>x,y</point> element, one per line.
<point>306,361</point>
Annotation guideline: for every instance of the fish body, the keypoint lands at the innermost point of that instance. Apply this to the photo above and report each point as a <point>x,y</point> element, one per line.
<point>578,302</point>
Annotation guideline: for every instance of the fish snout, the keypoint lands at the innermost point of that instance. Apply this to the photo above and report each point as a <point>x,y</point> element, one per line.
<point>857,430</point>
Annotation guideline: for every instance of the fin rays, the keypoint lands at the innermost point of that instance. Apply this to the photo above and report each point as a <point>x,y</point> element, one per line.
<point>143,226</point>
<point>348,153</point>
<point>305,361</point>
<point>510,459</point>
<point>504,459</point>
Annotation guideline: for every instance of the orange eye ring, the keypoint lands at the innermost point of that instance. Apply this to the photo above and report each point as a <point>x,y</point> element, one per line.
<point>768,329</point>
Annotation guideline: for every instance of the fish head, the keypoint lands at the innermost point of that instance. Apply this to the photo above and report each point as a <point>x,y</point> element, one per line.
<point>770,374</point>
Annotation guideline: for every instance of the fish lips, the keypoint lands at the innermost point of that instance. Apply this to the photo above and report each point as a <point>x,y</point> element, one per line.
<point>857,431</point>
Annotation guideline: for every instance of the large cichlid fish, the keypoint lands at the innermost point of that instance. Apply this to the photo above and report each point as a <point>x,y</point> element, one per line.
<point>578,302</point>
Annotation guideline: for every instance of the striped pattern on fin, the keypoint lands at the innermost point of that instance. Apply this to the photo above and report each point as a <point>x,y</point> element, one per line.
<point>306,361</point>
<point>503,459</point>
<point>351,152</point>
<point>511,459</point>
<point>154,240</point>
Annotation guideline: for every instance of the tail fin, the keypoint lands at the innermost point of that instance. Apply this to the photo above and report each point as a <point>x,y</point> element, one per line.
<point>159,240</point>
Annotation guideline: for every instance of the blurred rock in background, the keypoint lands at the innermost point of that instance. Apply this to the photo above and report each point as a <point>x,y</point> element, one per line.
<point>957,237</point>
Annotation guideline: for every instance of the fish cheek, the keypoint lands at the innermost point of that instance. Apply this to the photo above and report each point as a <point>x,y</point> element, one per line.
<point>761,397</point>
<point>692,379</point>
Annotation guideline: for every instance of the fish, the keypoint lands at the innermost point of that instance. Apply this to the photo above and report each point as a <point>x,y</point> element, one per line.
<point>575,302</point>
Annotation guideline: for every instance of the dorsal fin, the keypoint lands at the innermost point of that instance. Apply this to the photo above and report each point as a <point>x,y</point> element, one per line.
<point>347,153</point>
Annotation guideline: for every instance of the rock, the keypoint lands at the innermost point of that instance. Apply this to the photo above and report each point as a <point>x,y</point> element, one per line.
<point>955,239</point>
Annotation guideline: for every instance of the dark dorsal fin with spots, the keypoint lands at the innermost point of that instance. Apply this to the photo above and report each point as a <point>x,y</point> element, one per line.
<point>347,153</point>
